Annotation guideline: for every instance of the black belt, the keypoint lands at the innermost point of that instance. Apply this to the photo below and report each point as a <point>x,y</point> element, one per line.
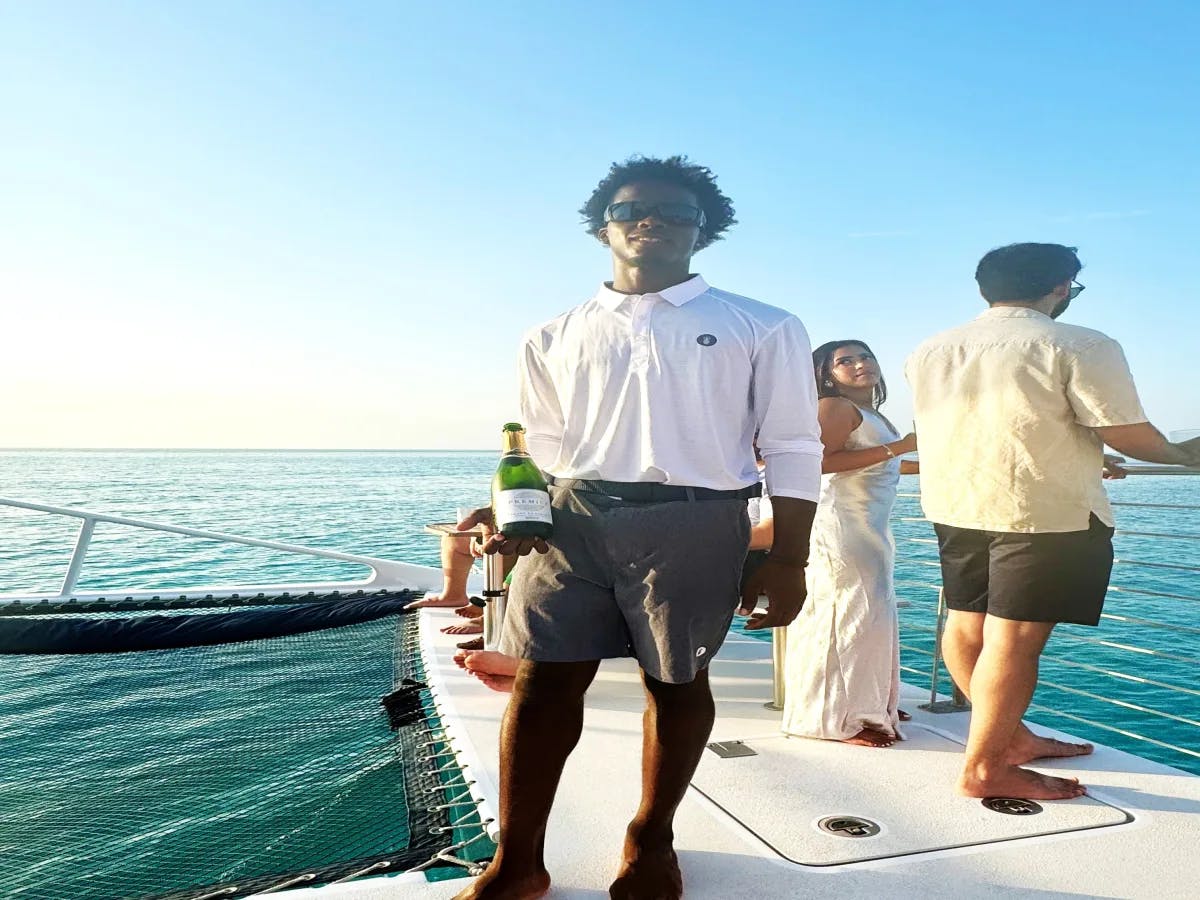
<point>651,491</point>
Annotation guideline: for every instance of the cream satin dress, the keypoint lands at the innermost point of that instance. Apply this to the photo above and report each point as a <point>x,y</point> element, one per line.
<point>842,670</point>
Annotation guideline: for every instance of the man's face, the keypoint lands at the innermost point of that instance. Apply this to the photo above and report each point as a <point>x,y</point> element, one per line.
<point>651,240</point>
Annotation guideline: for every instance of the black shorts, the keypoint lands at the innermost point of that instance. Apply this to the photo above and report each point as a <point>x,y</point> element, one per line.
<point>657,581</point>
<point>1044,577</point>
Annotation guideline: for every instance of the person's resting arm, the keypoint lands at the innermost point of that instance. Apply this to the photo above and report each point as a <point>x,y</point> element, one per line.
<point>1144,441</point>
<point>789,438</point>
<point>1101,391</point>
<point>762,535</point>
<point>542,417</point>
<point>541,413</point>
<point>839,417</point>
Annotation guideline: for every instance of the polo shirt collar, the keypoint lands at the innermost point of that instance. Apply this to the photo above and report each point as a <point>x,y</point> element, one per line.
<point>676,294</point>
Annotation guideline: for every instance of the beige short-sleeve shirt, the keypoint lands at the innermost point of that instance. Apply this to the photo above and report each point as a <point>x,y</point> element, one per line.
<point>1004,408</point>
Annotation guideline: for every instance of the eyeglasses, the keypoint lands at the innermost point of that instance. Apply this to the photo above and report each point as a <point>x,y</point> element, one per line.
<point>671,213</point>
<point>1075,291</point>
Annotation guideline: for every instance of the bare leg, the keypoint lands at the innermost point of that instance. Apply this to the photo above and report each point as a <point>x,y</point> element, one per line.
<point>456,567</point>
<point>676,724</point>
<point>541,727</point>
<point>962,642</point>
<point>1000,689</point>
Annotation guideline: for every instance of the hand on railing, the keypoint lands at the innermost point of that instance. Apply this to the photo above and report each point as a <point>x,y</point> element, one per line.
<point>1112,468</point>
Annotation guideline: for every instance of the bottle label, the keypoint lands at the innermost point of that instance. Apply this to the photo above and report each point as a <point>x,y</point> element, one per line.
<point>522,505</point>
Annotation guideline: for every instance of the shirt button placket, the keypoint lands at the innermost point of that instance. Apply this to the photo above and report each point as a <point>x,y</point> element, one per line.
<point>641,332</point>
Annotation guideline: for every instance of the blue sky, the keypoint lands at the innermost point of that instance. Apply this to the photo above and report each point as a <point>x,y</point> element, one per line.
<point>328,224</point>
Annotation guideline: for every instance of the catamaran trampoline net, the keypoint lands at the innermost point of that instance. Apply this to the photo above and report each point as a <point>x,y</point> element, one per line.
<point>215,753</point>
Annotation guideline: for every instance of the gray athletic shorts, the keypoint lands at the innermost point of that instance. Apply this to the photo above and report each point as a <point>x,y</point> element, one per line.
<point>656,581</point>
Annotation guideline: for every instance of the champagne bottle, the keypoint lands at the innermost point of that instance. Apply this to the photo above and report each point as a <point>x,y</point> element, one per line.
<point>520,501</point>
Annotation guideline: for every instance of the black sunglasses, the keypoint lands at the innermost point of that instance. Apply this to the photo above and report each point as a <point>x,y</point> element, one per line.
<point>671,213</point>
<point>1076,290</point>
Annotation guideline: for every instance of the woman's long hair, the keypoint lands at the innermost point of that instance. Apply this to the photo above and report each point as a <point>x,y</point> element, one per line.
<point>823,366</point>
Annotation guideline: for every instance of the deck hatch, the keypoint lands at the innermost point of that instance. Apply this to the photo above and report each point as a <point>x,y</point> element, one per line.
<point>783,793</point>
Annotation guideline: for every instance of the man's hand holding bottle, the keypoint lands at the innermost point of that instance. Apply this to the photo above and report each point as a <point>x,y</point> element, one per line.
<point>495,542</point>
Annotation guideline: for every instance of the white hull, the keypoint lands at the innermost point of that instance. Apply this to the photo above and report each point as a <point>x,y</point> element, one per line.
<point>1136,835</point>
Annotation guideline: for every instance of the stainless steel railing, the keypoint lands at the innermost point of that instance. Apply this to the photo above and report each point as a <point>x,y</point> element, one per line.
<point>1163,690</point>
<point>383,573</point>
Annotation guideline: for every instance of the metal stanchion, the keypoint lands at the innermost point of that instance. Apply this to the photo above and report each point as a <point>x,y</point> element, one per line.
<point>778,656</point>
<point>493,613</point>
<point>958,700</point>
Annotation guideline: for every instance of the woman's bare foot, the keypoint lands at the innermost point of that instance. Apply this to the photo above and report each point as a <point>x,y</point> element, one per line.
<point>903,716</point>
<point>494,669</point>
<point>497,886</point>
<point>472,627</point>
<point>871,737</point>
<point>1028,746</point>
<point>648,869</point>
<point>488,662</point>
<point>1025,784</point>
<point>438,601</point>
<point>470,611</point>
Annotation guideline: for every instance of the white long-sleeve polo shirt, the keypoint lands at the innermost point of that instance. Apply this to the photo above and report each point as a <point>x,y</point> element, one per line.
<point>671,387</point>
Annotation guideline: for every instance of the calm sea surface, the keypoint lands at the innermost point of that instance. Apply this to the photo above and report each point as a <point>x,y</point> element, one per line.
<point>375,503</point>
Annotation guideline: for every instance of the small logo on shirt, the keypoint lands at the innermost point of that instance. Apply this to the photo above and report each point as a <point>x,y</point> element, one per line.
<point>701,652</point>
<point>706,340</point>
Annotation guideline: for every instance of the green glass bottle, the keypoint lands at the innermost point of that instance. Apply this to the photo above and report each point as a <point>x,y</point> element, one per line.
<point>520,501</point>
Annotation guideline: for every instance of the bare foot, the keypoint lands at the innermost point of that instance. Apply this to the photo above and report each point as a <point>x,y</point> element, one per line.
<point>470,611</point>
<point>871,737</point>
<point>490,662</point>
<point>903,716</point>
<point>471,627</point>
<point>497,886</point>
<point>1028,746</point>
<point>501,684</point>
<point>437,601</point>
<point>648,870</point>
<point>1025,784</point>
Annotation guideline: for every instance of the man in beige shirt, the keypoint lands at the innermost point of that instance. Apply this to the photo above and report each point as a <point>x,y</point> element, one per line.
<point>1012,411</point>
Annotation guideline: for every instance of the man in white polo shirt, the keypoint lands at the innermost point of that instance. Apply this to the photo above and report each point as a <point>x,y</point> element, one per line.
<point>1013,410</point>
<point>641,406</point>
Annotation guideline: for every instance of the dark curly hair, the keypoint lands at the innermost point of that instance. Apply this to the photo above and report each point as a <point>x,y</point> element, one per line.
<point>676,170</point>
<point>823,365</point>
<point>1025,272</point>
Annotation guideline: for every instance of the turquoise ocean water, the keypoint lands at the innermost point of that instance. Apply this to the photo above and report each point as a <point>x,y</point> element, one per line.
<point>375,503</point>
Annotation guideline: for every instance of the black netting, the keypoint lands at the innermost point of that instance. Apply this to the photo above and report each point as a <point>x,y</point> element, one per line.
<point>173,772</point>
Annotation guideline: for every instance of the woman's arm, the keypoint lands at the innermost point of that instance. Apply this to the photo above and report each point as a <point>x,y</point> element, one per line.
<point>838,418</point>
<point>762,535</point>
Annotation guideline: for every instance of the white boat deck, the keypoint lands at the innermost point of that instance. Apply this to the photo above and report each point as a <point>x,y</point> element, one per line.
<point>748,826</point>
